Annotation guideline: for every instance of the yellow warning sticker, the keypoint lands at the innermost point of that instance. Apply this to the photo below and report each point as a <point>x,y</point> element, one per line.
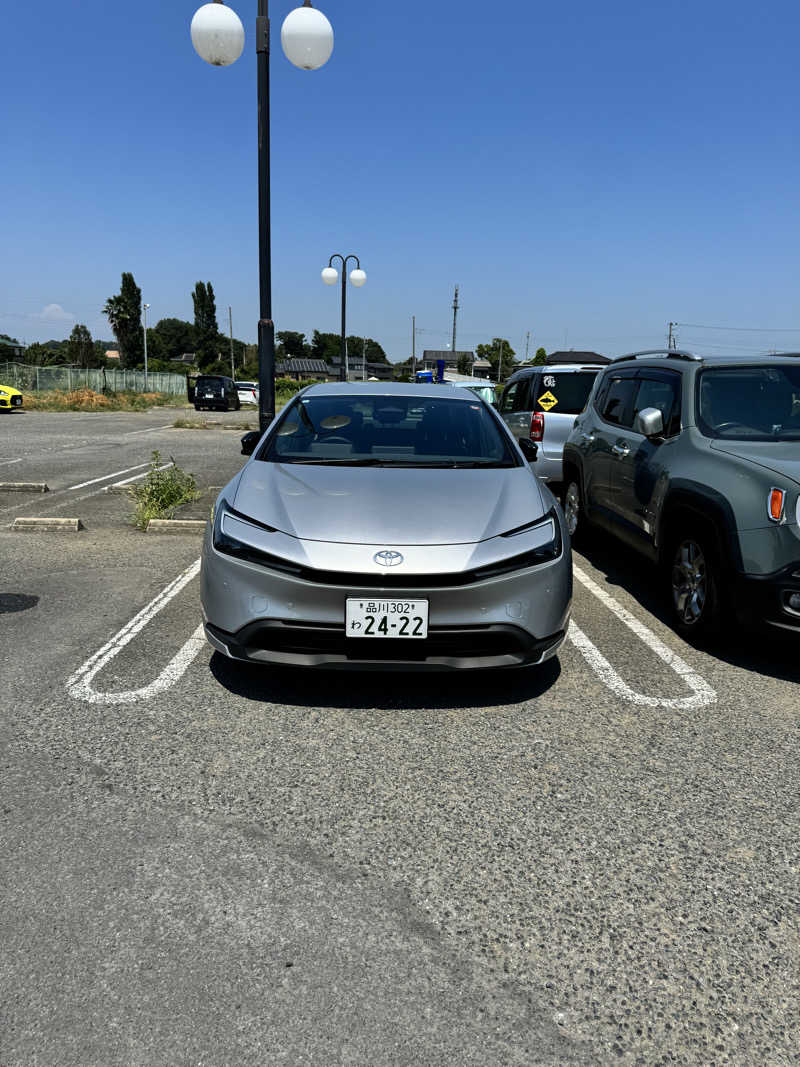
<point>547,401</point>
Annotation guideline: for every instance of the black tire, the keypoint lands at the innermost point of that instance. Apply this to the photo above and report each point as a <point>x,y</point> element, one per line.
<point>572,506</point>
<point>238,404</point>
<point>694,584</point>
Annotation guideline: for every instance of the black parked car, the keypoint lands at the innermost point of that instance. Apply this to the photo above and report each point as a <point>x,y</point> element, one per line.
<point>215,392</point>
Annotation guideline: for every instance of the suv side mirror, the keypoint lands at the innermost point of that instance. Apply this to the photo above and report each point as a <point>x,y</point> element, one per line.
<point>530,449</point>
<point>249,442</point>
<point>649,422</point>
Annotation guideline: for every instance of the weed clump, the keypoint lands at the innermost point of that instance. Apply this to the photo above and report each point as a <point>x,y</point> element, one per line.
<point>163,491</point>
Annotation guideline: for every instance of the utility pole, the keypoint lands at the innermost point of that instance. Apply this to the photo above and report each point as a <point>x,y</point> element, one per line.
<point>671,345</point>
<point>144,308</point>
<point>527,344</point>
<point>500,363</point>
<point>230,328</point>
<point>363,359</point>
<point>414,347</point>
<point>455,312</point>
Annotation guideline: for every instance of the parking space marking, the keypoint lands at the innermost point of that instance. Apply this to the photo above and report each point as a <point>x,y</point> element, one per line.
<point>103,478</point>
<point>8,462</point>
<point>79,685</point>
<point>702,693</point>
<point>144,474</point>
<point>150,429</point>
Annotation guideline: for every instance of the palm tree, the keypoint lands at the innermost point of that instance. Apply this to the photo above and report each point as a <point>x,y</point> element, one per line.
<point>118,313</point>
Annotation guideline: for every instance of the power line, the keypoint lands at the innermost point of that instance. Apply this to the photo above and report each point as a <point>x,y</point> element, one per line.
<point>740,329</point>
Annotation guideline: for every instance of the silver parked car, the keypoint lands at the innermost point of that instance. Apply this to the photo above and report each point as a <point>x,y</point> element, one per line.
<point>541,402</point>
<point>387,526</point>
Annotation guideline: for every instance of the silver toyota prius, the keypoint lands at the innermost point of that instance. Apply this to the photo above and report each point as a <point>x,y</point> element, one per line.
<point>385,526</point>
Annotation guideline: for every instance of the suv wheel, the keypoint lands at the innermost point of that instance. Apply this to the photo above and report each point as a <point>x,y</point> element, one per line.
<point>695,585</point>
<point>573,507</point>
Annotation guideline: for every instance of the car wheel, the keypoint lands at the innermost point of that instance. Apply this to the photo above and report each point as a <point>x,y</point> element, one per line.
<point>694,585</point>
<point>573,508</point>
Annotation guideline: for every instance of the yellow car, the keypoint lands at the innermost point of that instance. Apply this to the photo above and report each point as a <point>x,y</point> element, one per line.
<point>9,398</point>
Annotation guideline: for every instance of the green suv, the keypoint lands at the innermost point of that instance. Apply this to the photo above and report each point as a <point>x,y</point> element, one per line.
<point>695,462</point>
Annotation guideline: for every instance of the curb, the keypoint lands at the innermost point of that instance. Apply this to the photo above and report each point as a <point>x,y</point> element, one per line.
<point>65,525</point>
<point>24,487</point>
<point>176,526</point>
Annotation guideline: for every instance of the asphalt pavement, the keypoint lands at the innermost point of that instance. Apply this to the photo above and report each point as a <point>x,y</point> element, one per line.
<point>203,862</point>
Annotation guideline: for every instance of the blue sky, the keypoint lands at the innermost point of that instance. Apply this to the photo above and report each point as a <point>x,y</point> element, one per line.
<point>584,171</point>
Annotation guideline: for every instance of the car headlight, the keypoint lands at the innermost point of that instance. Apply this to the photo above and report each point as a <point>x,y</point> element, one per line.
<point>544,553</point>
<point>229,544</point>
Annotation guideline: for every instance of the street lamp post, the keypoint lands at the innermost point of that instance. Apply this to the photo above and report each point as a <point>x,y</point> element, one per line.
<point>307,41</point>
<point>144,311</point>
<point>330,276</point>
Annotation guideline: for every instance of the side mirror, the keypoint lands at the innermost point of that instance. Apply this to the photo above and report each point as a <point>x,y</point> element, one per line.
<point>249,442</point>
<point>649,422</point>
<point>530,449</point>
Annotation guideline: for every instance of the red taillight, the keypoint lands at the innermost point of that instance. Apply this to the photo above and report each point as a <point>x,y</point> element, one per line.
<point>537,426</point>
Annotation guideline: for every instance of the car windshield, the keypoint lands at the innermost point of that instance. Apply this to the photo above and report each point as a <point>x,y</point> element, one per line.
<point>389,431</point>
<point>750,403</point>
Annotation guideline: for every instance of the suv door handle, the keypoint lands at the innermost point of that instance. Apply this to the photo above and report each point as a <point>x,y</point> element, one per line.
<point>620,450</point>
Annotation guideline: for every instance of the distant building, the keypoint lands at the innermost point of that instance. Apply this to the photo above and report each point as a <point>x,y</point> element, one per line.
<point>384,372</point>
<point>479,368</point>
<point>306,368</point>
<point>185,357</point>
<point>11,351</point>
<point>111,353</point>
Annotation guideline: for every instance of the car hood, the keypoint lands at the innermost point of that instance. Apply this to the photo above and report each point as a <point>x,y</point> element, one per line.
<point>782,457</point>
<point>379,505</point>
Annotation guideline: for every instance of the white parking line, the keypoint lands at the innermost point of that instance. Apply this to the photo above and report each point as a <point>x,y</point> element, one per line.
<point>144,474</point>
<point>150,429</point>
<point>8,462</point>
<point>79,684</point>
<point>103,478</point>
<point>702,693</point>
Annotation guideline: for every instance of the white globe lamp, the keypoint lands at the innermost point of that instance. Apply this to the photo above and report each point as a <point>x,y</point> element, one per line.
<point>217,34</point>
<point>307,37</point>
<point>357,277</point>
<point>330,275</point>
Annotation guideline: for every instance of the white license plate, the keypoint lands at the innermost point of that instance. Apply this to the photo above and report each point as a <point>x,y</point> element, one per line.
<point>386,618</point>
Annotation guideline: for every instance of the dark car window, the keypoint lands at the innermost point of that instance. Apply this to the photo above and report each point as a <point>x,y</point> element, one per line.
<point>388,431</point>
<point>210,382</point>
<point>617,401</point>
<point>662,392</point>
<point>750,403</point>
<point>563,392</point>
<point>515,396</point>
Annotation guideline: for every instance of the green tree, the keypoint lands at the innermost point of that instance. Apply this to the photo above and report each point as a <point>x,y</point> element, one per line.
<point>292,345</point>
<point>206,329</point>
<point>371,349</point>
<point>325,346</point>
<point>124,314</point>
<point>176,336</point>
<point>80,347</point>
<point>498,347</point>
<point>463,363</point>
<point>540,357</point>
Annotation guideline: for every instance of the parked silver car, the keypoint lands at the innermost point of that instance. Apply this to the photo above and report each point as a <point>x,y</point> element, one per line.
<point>541,403</point>
<point>387,526</point>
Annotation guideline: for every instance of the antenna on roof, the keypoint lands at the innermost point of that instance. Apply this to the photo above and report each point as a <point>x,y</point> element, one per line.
<point>455,312</point>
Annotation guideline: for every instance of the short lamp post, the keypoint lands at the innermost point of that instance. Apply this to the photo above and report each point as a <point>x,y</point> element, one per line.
<point>307,40</point>
<point>330,276</point>
<point>144,312</point>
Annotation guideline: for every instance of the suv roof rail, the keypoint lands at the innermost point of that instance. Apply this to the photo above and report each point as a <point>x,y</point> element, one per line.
<point>796,355</point>
<point>664,353</point>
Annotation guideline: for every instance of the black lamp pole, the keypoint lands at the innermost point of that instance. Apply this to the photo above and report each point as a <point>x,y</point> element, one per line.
<point>344,260</point>
<point>266,327</point>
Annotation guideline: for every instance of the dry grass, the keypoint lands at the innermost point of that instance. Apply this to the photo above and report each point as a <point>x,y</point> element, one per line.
<point>89,400</point>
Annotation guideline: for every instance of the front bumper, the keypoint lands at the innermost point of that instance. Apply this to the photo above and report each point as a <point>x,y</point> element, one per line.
<point>764,599</point>
<point>257,614</point>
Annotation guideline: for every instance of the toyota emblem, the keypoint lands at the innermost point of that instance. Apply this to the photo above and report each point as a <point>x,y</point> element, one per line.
<point>387,558</point>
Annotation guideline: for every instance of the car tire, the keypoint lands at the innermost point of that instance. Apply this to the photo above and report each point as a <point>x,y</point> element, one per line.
<point>572,506</point>
<point>694,584</point>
